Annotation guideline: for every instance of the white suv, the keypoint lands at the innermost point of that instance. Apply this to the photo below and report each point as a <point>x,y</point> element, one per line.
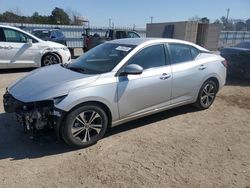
<point>19,49</point>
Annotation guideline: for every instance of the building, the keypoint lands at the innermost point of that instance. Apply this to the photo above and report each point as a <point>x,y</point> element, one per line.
<point>206,35</point>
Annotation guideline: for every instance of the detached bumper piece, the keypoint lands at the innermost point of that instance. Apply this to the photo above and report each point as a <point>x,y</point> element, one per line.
<point>34,116</point>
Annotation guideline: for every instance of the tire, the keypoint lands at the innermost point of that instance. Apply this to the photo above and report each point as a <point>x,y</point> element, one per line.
<point>84,126</point>
<point>50,59</point>
<point>206,95</point>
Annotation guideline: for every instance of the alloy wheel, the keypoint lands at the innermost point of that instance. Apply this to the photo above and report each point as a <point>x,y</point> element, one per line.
<point>87,125</point>
<point>50,60</point>
<point>207,95</point>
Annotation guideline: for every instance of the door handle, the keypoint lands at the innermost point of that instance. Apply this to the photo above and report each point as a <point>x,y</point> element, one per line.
<point>165,76</point>
<point>9,48</point>
<point>6,47</point>
<point>202,67</point>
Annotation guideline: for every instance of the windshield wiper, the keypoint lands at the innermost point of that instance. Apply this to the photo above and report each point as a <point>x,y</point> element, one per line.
<point>77,69</point>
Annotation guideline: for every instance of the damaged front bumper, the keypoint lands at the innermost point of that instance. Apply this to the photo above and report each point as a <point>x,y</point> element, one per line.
<point>35,116</point>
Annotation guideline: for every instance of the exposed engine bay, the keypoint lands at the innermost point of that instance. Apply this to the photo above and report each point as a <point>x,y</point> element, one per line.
<point>34,116</point>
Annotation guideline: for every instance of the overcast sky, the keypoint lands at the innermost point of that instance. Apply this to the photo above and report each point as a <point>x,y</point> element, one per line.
<point>138,12</point>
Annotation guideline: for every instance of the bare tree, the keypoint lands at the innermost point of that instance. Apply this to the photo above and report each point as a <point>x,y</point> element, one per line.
<point>73,14</point>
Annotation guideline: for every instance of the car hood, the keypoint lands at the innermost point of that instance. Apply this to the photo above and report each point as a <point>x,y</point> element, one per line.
<point>47,83</point>
<point>51,44</point>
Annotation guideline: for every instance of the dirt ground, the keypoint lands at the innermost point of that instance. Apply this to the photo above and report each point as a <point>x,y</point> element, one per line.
<point>177,148</point>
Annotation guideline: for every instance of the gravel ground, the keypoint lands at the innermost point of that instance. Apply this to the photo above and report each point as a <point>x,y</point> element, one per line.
<point>182,147</point>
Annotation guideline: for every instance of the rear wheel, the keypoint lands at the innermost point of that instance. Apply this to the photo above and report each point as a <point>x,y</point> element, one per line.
<point>84,126</point>
<point>206,95</point>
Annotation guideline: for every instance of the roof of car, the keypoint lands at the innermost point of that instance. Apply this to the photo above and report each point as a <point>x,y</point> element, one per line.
<point>46,29</point>
<point>11,27</point>
<point>139,41</point>
<point>18,29</point>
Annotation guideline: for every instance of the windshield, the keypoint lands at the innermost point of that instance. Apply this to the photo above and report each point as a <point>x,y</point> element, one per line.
<point>101,59</point>
<point>243,45</point>
<point>44,35</point>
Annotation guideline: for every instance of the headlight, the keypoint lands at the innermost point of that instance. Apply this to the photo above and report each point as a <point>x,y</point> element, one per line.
<point>65,48</point>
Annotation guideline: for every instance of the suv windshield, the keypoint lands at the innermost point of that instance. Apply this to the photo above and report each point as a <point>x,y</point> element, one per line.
<point>101,59</point>
<point>44,34</point>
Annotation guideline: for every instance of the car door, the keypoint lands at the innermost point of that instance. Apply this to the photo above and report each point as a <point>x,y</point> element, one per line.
<point>149,90</point>
<point>3,60</point>
<point>188,72</point>
<point>18,52</point>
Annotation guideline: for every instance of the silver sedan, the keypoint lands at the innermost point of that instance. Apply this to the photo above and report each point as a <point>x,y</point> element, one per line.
<point>113,83</point>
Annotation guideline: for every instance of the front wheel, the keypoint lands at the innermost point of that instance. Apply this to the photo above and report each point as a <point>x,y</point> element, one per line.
<point>50,59</point>
<point>206,95</point>
<point>84,126</point>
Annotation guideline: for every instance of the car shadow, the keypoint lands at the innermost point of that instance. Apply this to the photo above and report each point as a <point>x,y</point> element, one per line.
<point>20,70</point>
<point>148,120</point>
<point>234,81</point>
<point>15,144</point>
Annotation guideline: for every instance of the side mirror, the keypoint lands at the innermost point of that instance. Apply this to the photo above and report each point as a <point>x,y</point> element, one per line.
<point>132,69</point>
<point>29,42</point>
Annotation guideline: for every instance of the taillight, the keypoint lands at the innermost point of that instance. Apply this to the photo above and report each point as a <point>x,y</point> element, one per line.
<point>224,62</point>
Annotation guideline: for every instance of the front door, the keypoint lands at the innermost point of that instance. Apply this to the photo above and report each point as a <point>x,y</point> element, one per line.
<point>17,52</point>
<point>149,90</point>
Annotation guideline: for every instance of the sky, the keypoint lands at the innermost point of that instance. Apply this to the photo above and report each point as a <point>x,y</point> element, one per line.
<point>129,12</point>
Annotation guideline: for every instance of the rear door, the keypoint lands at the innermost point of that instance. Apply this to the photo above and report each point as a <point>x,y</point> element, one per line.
<point>188,72</point>
<point>149,90</point>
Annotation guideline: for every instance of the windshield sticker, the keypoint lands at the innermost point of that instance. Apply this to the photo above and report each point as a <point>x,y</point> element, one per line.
<point>123,48</point>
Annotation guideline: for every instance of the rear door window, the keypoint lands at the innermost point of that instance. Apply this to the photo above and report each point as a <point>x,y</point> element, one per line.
<point>182,53</point>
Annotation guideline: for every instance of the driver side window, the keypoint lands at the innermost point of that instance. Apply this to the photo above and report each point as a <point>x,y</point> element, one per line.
<point>150,57</point>
<point>14,36</point>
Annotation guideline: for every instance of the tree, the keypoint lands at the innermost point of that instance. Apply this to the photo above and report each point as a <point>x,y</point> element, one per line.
<point>240,26</point>
<point>248,24</point>
<point>73,14</point>
<point>35,17</point>
<point>204,20</point>
<point>227,23</point>
<point>10,17</point>
<point>194,19</point>
<point>59,16</point>
<point>198,19</point>
<point>217,21</point>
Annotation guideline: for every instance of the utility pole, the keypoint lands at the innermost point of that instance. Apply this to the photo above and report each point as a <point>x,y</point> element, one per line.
<point>227,18</point>
<point>151,19</point>
<point>109,22</point>
<point>134,27</point>
<point>228,10</point>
